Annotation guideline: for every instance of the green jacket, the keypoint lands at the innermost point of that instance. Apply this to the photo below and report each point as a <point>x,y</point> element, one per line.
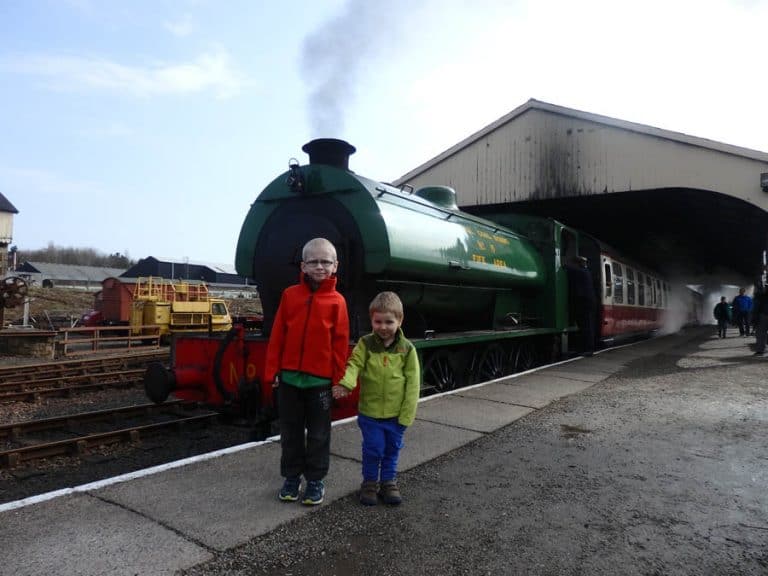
<point>390,378</point>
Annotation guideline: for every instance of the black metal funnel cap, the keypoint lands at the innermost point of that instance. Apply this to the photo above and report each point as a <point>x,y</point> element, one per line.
<point>330,151</point>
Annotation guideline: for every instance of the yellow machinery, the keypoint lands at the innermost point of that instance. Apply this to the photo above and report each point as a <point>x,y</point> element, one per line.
<point>176,307</point>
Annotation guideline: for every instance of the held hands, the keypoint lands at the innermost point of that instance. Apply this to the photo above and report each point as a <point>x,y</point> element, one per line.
<point>339,392</point>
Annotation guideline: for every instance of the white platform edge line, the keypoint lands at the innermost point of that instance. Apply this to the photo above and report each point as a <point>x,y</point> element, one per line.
<point>16,504</point>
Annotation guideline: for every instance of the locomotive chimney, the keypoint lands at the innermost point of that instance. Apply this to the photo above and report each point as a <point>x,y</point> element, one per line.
<point>329,151</point>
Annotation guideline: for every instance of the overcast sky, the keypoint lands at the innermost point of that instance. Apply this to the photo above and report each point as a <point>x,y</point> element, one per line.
<point>148,127</point>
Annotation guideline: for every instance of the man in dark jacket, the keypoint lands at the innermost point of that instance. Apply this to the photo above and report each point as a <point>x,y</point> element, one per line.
<point>760,316</point>
<point>584,298</point>
<point>722,313</point>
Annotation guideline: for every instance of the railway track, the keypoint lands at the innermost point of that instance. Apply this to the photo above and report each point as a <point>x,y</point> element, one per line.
<point>85,420</point>
<point>30,382</point>
<point>84,366</point>
<point>78,434</point>
<point>33,390</point>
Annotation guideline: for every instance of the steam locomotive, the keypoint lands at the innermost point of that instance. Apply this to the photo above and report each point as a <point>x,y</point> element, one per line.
<point>482,298</point>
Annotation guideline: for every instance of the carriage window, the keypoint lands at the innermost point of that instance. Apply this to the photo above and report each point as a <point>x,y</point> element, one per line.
<point>641,289</point>
<point>618,283</point>
<point>608,282</point>
<point>630,286</point>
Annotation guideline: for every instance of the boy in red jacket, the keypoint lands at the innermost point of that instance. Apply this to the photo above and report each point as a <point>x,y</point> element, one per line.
<point>307,353</point>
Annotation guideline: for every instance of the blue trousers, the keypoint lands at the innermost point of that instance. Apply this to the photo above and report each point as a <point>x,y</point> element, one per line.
<point>382,441</point>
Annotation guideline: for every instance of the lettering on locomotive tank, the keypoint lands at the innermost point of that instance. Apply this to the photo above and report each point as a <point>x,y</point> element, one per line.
<point>488,245</point>
<point>495,262</point>
<point>484,234</point>
<point>234,376</point>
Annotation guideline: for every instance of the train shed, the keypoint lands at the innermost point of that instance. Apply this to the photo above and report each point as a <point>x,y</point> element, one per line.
<point>48,274</point>
<point>209,272</point>
<point>692,207</point>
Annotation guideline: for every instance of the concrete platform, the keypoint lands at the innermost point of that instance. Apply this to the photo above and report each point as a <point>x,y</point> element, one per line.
<point>174,517</point>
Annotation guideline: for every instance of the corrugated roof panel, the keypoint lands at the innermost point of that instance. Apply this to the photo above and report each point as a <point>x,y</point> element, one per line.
<point>70,273</point>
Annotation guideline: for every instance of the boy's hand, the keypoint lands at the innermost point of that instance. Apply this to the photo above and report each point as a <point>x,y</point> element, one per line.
<point>339,392</point>
<point>276,382</point>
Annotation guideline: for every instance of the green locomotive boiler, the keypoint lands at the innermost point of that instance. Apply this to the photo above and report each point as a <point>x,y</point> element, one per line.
<point>481,300</point>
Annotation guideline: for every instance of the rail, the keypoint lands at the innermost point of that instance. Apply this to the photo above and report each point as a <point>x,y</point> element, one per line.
<point>81,445</point>
<point>90,339</point>
<point>31,391</point>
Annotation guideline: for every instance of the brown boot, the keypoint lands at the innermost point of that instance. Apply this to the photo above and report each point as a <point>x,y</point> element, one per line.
<point>390,493</point>
<point>368,493</point>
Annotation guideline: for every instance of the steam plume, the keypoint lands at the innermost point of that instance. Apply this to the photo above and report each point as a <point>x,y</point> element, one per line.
<point>334,55</point>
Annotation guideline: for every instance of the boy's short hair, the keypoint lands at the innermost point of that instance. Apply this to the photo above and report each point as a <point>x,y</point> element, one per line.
<point>387,302</point>
<point>318,244</point>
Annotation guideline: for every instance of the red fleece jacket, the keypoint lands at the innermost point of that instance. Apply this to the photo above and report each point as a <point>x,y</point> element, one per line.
<point>310,332</point>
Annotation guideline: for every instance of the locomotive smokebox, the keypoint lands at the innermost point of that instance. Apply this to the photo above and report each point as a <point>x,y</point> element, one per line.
<point>329,151</point>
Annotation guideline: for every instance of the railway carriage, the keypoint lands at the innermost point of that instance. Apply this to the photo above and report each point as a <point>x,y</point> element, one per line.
<point>634,300</point>
<point>483,298</point>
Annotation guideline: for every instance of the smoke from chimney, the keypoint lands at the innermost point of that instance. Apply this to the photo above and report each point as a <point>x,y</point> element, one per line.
<point>334,55</point>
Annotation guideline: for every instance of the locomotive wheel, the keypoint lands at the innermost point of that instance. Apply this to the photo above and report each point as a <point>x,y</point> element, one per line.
<point>489,363</point>
<point>523,357</point>
<point>439,373</point>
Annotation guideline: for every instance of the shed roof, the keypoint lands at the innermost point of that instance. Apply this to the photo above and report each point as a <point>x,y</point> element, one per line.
<point>70,272</point>
<point>534,104</point>
<point>6,206</point>
<point>215,266</point>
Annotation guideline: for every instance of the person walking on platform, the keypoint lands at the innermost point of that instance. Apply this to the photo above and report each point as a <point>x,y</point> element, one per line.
<point>387,366</point>
<point>742,310</point>
<point>306,354</point>
<point>722,313</point>
<point>584,299</point>
<point>760,318</point>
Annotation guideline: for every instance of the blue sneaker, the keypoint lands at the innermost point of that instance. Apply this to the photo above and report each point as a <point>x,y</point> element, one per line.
<point>290,490</point>
<point>314,493</point>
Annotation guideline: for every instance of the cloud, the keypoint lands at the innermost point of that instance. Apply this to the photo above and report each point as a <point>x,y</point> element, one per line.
<point>182,27</point>
<point>45,186</point>
<point>211,71</point>
<point>112,130</point>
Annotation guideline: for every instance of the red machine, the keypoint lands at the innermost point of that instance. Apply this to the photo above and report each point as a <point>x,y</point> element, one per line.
<point>112,304</point>
<point>225,371</point>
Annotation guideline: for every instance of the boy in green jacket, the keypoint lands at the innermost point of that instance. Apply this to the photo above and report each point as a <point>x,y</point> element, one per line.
<point>387,366</point>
